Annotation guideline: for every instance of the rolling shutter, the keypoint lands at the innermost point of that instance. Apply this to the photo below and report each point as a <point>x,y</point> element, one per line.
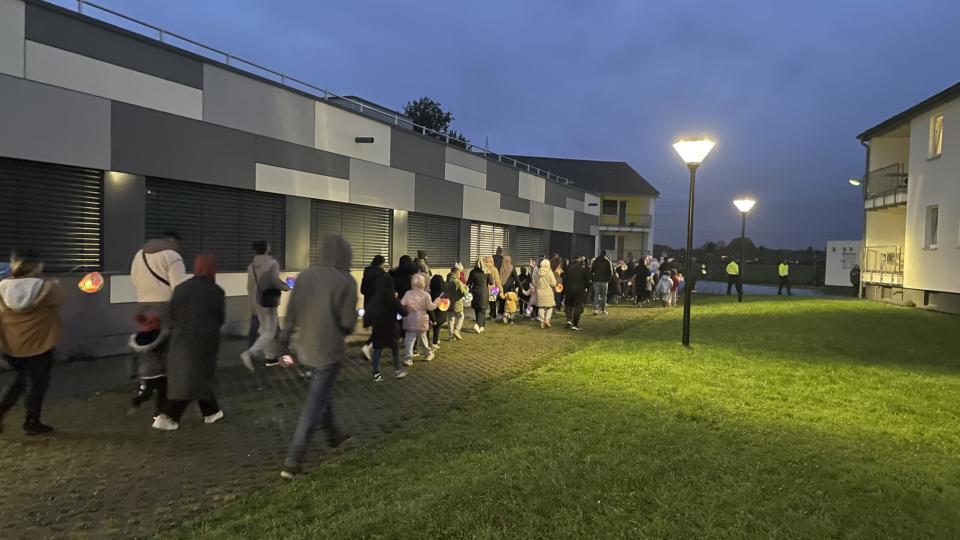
<point>560,243</point>
<point>53,210</point>
<point>528,245</point>
<point>365,227</point>
<point>438,236</point>
<point>214,219</point>
<point>583,244</point>
<point>485,239</point>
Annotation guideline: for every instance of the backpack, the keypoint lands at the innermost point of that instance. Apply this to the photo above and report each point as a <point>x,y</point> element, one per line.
<point>452,291</point>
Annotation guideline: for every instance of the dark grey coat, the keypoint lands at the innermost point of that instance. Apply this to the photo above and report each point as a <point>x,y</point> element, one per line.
<point>197,311</point>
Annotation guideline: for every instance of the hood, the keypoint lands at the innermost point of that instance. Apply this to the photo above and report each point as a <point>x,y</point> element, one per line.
<point>336,252</point>
<point>157,245</point>
<point>479,264</point>
<point>261,263</point>
<point>405,264</point>
<point>545,264</point>
<point>19,294</point>
<point>418,281</point>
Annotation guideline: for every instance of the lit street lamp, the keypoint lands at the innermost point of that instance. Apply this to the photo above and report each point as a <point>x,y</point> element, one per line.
<point>743,205</point>
<point>692,152</point>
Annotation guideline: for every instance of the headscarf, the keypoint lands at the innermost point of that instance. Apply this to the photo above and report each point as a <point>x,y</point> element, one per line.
<point>506,268</point>
<point>205,265</point>
<point>490,269</point>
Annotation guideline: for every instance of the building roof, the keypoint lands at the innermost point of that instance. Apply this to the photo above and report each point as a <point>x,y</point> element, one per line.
<point>596,176</point>
<point>902,118</point>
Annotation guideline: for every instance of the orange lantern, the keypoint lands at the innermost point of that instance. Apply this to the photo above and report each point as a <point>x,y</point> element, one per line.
<point>443,304</point>
<point>559,288</point>
<point>91,283</point>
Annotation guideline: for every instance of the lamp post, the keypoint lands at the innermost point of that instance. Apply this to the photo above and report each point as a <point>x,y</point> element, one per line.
<point>743,205</point>
<point>692,152</point>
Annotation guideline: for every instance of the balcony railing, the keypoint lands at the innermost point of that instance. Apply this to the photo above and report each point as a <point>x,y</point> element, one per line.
<point>883,264</point>
<point>889,179</point>
<point>626,220</point>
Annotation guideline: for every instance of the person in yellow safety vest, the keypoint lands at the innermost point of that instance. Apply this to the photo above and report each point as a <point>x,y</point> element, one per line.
<point>784,272</point>
<point>735,279</point>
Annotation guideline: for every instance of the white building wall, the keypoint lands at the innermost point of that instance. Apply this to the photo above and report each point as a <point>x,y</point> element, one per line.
<point>886,151</point>
<point>842,256</point>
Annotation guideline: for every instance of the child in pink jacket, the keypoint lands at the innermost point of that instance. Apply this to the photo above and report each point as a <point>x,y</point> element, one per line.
<point>417,322</point>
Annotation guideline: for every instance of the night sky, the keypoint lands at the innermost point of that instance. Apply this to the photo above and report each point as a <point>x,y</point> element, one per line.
<point>784,87</point>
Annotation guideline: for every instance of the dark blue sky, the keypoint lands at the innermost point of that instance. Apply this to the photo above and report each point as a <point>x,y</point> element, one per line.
<point>784,87</point>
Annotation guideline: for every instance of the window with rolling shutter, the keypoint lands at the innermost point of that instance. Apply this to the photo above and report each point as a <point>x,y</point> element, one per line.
<point>560,243</point>
<point>583,244</point>
<point>53,210</point>
<point>365,227</point>
<point>527,245</point>
<point>437,235</point>
<point>485,239</point>
<point>215,219</point>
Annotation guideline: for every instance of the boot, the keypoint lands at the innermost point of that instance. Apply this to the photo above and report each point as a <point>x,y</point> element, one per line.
<point>33,426</point>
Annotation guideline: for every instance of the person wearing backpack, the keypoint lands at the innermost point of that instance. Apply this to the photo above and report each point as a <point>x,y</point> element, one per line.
<point>264,287</point>
<point>455,290</point>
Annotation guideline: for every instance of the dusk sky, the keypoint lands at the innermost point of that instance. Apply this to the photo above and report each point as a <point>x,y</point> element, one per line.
<point>783,87</point>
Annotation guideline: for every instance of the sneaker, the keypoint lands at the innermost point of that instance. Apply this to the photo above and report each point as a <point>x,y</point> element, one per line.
<point>336,440</point>
<point>429,357</point>
<point>35,427</point>
<point>605,312</point>
<point>570,323</point>
<point>271,362</point>
<point>476,328</point>
<point>543,325</point>
<point>367,351</point>
<point>483,329</point>
<point>435,346</point>
<point>210,419</point>
<point>289,473</point>
<point>247,360</point>
<point>416,354</point>
<point>575,328</point>
<point>377,377</point>
<point>401,374</point>
<point>408,362</point>
<point>165,423</point>
<point>458,335</point>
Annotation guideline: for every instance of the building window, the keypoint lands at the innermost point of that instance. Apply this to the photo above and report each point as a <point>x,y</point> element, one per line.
<point>936,136</point>
<point>930,231</point>
<point>608,243</point>
<point>609,207</point>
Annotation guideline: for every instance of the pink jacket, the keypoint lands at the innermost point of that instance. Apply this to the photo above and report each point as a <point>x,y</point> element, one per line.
<point>418,303</point>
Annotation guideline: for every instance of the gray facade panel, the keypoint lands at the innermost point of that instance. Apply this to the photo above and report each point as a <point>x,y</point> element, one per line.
<point>52,27</point>
<point>301,158</point>
<point>503,179</point>
<point>557,194</point>
<point>124,206</point>
<point>44,123</point>
<point>417,154</point>
<point>153,143</point>
<point>508,202</point>
<point>582,222</point>
<point>297,241</point>
<point>439,197</point>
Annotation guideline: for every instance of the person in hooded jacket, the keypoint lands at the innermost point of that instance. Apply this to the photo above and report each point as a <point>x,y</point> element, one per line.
<point>489,266</point>
<point>30,328</point>
<point>417,322</point>
<point>197,311</point>
<point>546,282</point>
<point>455,290</point>
<point>523,289</point>
<point>576,283</point>
<point>149,346</point>
<point>382,308</point>
<point>321,313</point>
<point>401,275</point>
<point>263,274</point>
<point>438,318</point>
<point>155,271</point>
<point>369,287</point>
<point>479,283</point>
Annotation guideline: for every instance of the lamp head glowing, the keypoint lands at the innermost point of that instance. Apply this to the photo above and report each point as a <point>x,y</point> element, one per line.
<point>693,151</point>
<point>744,205</point>
<point>855,181</point>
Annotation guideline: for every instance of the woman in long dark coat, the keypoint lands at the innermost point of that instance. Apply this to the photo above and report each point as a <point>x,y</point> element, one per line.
<point>197,311</point>
<point>437,318</point>
<point>479,283</point>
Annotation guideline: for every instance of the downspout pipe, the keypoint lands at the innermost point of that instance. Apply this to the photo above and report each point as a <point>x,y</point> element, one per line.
<point>863,238</point>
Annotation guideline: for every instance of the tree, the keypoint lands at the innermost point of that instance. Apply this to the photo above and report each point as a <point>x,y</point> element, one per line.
<point>429,114</point>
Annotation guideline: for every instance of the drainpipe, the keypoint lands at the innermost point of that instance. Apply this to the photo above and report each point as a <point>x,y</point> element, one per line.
<point>863,240</point>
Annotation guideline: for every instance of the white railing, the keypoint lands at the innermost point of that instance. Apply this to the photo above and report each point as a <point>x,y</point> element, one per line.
<point>91,9</point>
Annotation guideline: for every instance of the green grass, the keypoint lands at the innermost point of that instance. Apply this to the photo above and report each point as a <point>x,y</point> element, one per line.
<point>787,418</point>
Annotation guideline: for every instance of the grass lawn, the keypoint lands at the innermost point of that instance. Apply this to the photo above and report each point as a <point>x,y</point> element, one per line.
<point>793,418</point>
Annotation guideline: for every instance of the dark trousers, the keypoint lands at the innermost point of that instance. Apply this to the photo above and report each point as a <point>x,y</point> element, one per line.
<point>36,369</point>
<point>175,407</point>
<point>495,308</point>
<point>317,412</point>
<point>480,314</point>
<point>378,353</point>
<point>574,307</point>
<point>254,332</point>
<point>735,280</point>
<point>149,387</point>
<point>784,281</point>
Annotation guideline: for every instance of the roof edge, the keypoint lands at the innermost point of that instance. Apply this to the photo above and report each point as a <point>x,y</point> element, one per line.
<point>905,116</point>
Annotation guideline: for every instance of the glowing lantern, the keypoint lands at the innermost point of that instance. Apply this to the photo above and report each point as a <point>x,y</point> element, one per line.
<point>494,291</point>
<point>91,283</point>
<point>360,312</point>
<point>559,288</point>
<point>443,304</point>
<point>291,281</point>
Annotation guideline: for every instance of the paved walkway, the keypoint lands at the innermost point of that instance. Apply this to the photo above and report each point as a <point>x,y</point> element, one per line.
<point>716,287</point>
<point>105,473</point>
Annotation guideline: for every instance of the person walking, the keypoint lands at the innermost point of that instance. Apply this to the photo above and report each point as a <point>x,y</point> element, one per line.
<point>438,318</point>
<point>576,282</point>
<point>455,290</point>
<point>479,284</point>
<point>507,277</point>
<point>155,271</point>
<point>417,322</point>
<point>855,279</point>
<point>369,288</point>
<point>734,279</point>
<point>197,312</point>
<point>381,313</point>
<point>30,328</point>
<point>783,270</point>
<point>264,287</point>
<point>322,311</point>
<point>149,348</point>
<point>601,273</point>
<point>490,267</point>
<point>401,275</point>
<point>546,281</point>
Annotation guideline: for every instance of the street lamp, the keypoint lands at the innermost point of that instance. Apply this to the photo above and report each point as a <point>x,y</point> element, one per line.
<point>743,205</point>
<point>692,152</point>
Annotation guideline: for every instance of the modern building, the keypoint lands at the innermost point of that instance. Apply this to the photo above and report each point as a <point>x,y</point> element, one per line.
<point>912,205</point>
<point>626,201</point>
<point>842,256</point>
<point>109,137</point>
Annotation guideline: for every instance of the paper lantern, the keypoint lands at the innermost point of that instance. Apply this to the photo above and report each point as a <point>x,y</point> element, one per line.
<point>399,317</point>
<point>91,283</point>
<point>559,287</point>
<point>360,312</point>
<point>291,281</point>
<point>443,304</point>
<point>494,291</point>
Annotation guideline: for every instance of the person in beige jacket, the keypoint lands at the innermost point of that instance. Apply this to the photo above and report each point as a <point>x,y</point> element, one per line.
<point>546,282</point>
<point>155,271</point>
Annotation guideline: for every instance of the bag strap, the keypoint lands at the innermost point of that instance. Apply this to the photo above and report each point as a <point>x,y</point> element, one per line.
<point>143,254</point>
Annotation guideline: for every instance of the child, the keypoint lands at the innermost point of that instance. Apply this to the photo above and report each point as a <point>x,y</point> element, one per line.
<point>510,306</point>
<point>675,279</point>
<point>417,322</point>
<point>663,288</point>
<point>381,313</point>
<point>149,348</point>
<point>455,290</point>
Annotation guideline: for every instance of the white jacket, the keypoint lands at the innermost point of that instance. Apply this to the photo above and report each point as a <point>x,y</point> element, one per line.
<point>164,260</point>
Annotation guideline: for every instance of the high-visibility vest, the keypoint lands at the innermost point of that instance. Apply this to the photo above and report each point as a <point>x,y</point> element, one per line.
<point>784,269</point>
<point>733,268</point>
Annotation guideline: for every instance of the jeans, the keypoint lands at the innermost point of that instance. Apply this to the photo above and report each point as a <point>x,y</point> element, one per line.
<point>265,344</point>
<point>378,352</point>
<point>317,412</point>
<point>175,407</point>
<point>600,296</point>
<point>455,323</point>
<point>410,337</point>
<point>37,370</point>
<point>481,315</point>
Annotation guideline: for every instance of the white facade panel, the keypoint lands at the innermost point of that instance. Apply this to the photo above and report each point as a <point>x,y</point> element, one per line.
<point>562,219</point>
<point>465,176</point>
<point>11,37</point>
<point>337,130</point>
<point>591,204</point>
<point>532,187</point>
<point>70,70</point>
<point>481,205</point>
<point>233,284</point>
<point>372,184</point>
<point>842,256</point>
<point>302,184</point>
<point>466,159</point>
<point>511,217</point>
